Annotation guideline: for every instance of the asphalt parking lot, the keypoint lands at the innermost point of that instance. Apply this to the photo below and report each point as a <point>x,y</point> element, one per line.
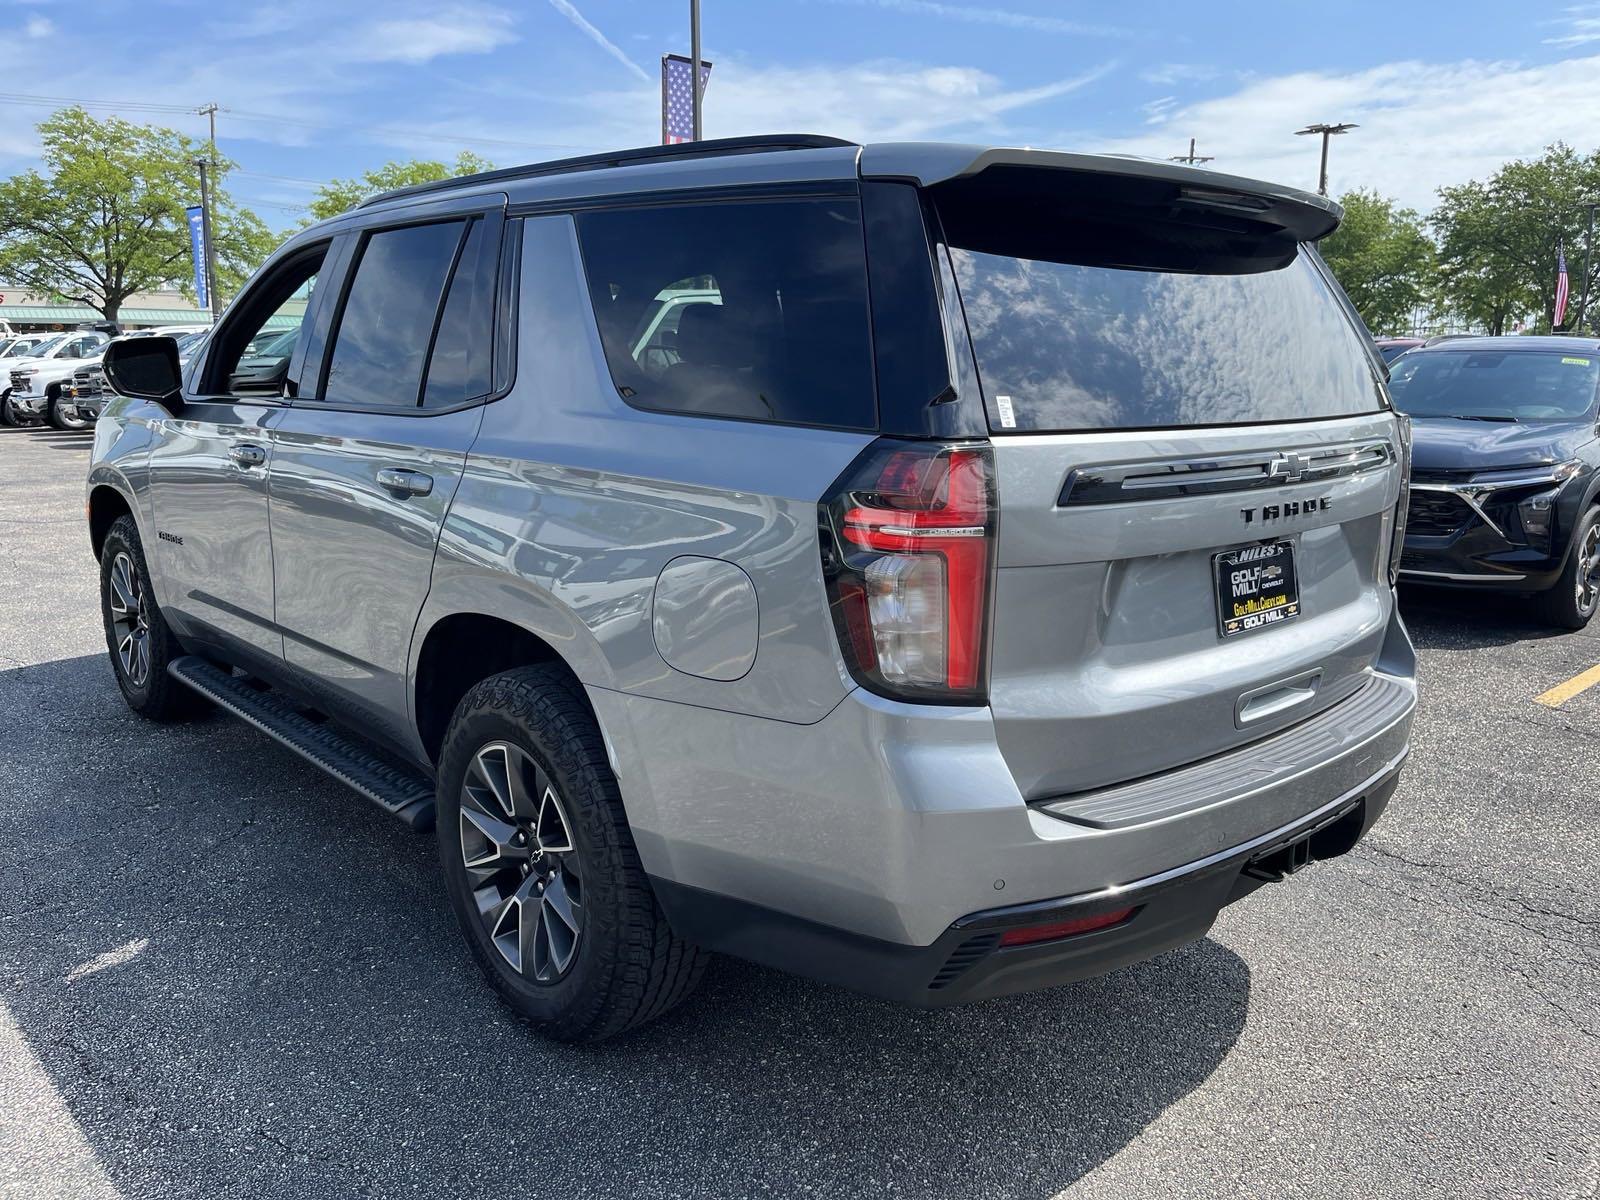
<point>222,975</point>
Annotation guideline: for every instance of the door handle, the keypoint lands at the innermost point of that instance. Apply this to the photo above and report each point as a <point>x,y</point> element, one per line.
<point>403,481</point>
<point>246,455</point>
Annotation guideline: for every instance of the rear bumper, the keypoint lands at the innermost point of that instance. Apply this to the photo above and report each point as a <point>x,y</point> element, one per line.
<point>968,962</point>
<point>897,822</point>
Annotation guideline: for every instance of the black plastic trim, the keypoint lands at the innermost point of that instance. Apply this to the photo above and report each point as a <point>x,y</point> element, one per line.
<point>1172,908</point>
<point>399,792</point>
<point>708,148</point>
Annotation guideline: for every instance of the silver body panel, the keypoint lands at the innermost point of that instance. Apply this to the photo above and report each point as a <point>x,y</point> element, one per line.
<point>215,584</point>
<point>353,558</point>
<point>1106,661</point>
<point>672,562</point>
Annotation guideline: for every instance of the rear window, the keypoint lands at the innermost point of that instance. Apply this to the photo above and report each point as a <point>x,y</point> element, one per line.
<point>1063,346</point>
<point>748,309</point>
<point>1518,385</point>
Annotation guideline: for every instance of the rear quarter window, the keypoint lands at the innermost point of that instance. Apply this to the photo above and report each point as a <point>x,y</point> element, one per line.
<point>753,309</point>
<point>1063,346</point>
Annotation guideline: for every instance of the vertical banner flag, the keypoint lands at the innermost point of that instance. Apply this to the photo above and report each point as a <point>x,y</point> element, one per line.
<point>677,111</point>
<point>197,249</point>
<point>1562,287</point>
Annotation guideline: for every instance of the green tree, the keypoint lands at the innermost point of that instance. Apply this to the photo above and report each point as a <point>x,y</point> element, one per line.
<point>341,195</point>
<point>104,219</point>
<point>1383,259</point>
<point>1498,239</point>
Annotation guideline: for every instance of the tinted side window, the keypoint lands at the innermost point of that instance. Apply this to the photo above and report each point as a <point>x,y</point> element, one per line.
<point>459,369</point>
<point>753,309</point>
<point>389,313</point>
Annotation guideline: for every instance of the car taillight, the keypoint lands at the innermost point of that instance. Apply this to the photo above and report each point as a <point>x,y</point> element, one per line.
<point>1397,544</point>
<point>908,552</point>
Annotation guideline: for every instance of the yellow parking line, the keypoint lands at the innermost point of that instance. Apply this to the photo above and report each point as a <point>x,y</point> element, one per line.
<point>1562,692</point>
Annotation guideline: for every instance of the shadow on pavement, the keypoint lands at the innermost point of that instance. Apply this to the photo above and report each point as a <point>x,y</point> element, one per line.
<point>1456,619</point>
<point>244,981</point>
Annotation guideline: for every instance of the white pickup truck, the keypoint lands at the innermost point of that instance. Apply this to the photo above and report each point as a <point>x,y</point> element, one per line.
<point>33,385</point>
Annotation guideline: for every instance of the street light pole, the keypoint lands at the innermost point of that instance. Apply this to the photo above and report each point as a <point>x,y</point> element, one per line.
<point>1326,131</point>
<point>694,65</point>
<point>205,237</point>
<point>1192,158</point>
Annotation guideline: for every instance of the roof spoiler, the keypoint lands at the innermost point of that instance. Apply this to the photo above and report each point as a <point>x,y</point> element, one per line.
<point>1102,180</point>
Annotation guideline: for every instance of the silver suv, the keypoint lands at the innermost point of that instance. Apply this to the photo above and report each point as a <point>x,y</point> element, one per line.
<point>939,570</point>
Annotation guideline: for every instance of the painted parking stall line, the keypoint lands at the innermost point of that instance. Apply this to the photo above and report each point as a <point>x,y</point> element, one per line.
<point>1562,692</point>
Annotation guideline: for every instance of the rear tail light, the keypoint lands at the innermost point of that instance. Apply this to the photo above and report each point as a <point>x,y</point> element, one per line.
<point>1397,544</point>
<point>1027,935</point>
<point>908,552</point>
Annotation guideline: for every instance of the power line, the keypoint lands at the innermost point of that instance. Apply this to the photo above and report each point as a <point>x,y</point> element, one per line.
<point>317,183</point>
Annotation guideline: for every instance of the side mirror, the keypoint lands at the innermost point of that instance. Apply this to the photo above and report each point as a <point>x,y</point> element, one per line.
<point>146,369</point>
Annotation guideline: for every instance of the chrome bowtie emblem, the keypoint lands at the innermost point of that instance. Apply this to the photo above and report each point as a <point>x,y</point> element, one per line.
<point>1290,467</point>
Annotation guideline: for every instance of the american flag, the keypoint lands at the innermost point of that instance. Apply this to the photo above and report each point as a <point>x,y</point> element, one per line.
<point>1561,286</point>
<point>677,111</point>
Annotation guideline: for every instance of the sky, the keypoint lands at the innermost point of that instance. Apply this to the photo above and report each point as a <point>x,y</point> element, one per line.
<point>311,89</point>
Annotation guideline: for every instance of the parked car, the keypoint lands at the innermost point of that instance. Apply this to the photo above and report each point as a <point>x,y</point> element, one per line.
<point>265,360</point>
<point>86,393</point>
<point>36,381</point>
<point>993,583</point>
<point>1503,483</point>
<point>1393,348</point>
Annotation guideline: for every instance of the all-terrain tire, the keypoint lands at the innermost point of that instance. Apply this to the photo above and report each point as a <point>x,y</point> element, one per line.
<point>628,966</point>
<point>149,690</point>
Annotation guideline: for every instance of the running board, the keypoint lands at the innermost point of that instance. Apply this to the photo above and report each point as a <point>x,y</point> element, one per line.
<point>399,792</point>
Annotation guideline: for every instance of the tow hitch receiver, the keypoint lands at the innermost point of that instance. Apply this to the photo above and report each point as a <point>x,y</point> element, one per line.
<point>1282,862</point>
<point>1328,840</point>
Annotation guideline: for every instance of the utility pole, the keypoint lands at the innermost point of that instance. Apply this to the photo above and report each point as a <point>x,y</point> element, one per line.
<point>694,66</point>
<point>211,110</point>
<point>205,235</point>
<point>1326,131</point>
<point>1192,158</point>
<point>208,111</point>
<point>1588,258</point>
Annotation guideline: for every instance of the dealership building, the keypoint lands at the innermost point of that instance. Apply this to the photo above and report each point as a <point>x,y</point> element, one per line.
<point>33,312</point>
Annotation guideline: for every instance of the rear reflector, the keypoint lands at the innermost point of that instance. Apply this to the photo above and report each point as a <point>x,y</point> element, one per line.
<point>1026,935</point>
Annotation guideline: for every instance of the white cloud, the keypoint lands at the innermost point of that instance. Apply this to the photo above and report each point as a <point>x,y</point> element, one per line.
<point>982,14</point>
<point>1168,74</point>
<point>564,7</point>
<point>1582,23</point>
<point>454,29</point>
<point>1423,125</point>
<point>38,27</point>
<point>1155,112</point>
<point>870,101</point>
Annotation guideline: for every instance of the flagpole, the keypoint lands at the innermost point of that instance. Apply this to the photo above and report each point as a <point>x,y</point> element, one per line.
<point>694,65</point>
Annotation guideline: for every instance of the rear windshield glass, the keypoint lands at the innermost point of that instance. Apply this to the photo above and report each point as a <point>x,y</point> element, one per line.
<point>1518,385</point>
<point>1063,346</point>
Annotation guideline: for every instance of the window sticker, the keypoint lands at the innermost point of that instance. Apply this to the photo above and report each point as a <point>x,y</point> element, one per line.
<point>1576,362</point>
<point>1008,414</point>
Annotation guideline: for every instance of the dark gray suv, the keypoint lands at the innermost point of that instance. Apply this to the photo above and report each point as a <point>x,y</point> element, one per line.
<point>939,570</point>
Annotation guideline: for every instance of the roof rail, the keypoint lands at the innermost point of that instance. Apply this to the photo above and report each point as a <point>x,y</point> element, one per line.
<point>623,158</point>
